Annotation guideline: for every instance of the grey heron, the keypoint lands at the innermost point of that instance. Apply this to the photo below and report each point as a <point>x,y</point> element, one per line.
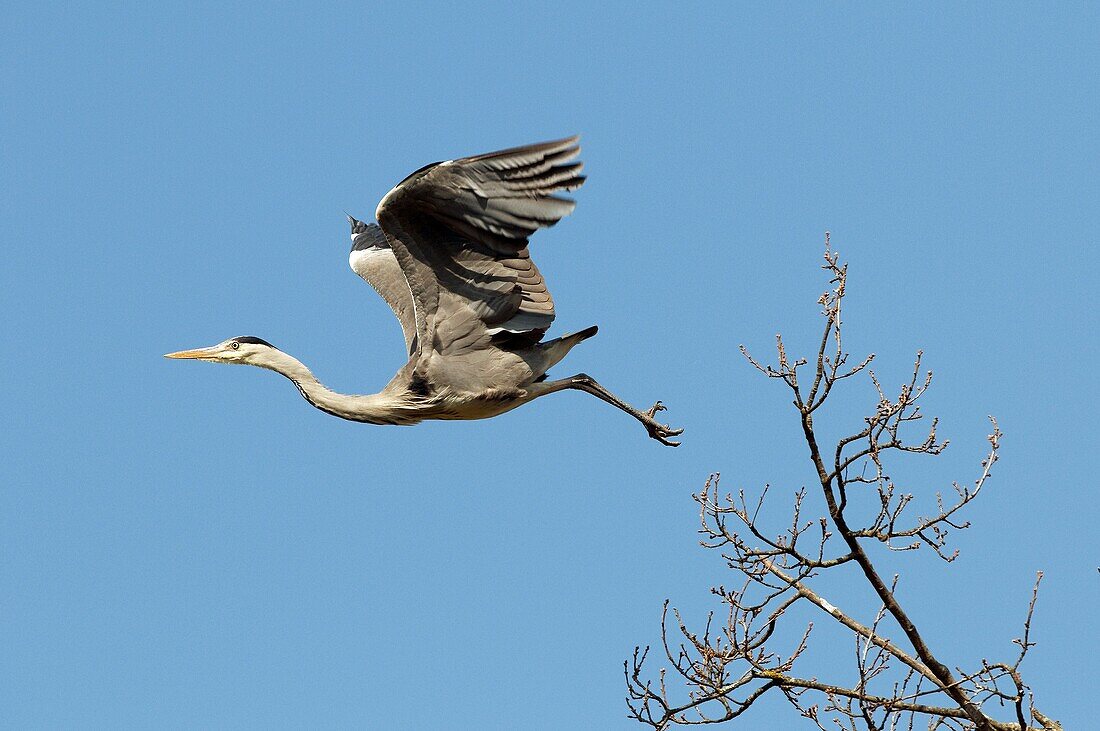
<point>449,255</point>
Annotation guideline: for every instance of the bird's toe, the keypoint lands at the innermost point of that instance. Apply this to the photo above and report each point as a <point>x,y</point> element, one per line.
<point>663,432</point>
<point>657,407</point>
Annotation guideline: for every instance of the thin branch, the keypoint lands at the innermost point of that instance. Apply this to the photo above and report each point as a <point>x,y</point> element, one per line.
<point>731,662</point>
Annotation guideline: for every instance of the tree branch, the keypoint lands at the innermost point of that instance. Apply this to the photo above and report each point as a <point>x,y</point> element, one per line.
<point>736,657</point>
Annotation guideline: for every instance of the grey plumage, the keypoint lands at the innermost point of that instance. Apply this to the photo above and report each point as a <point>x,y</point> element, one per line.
<point>373,260</point>
<point>450,257</point>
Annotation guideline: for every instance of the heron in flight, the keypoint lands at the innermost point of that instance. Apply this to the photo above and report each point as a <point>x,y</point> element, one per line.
<point>449,255</point>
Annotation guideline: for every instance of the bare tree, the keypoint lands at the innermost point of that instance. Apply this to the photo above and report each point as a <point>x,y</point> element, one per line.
<point>721,669</point>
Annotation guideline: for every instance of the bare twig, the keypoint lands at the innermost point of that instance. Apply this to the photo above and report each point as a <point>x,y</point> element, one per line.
<point>730,664</point>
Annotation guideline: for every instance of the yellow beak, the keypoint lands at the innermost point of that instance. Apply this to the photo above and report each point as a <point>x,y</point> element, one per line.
<point>198,353</point>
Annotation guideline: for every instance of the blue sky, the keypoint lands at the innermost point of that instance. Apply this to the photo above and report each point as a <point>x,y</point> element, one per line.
<point>183,545</point>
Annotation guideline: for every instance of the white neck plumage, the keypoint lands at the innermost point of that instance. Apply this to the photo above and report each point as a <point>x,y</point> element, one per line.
<point>375,408</point>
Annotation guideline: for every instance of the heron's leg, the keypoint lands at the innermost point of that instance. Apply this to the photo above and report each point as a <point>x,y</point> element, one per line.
<point>588,384</point>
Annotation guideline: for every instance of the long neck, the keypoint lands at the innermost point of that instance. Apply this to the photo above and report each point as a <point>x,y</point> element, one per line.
<point>375,408</point>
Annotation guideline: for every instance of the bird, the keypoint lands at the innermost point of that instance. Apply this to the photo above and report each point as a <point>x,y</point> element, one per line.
<point>449,255</point>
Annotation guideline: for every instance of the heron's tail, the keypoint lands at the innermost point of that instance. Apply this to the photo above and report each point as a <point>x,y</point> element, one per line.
<point>556,349</point>
<point>580,336</point>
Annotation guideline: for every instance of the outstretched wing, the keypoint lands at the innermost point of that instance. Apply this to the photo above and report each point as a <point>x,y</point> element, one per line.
<point>373,260</point>
<point>459,230</point>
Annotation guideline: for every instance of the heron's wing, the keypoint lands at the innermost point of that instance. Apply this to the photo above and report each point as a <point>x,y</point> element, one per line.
<point>373,260</point>
<point>459,232</point>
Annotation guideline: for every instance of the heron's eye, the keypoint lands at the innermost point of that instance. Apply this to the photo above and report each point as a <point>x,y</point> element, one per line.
<point>236,345</point>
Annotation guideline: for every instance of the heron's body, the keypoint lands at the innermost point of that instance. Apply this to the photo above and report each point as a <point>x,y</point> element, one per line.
<point>449,255</point>
<point>487,383</point>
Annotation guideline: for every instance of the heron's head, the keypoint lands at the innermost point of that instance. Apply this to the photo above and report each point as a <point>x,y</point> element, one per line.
<point>245,350</point>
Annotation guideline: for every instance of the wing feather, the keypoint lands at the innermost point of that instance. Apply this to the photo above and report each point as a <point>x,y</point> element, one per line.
<point>459,229</point>
<point>372,259</point>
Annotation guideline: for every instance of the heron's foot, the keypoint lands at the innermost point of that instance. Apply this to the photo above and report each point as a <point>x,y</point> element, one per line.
<point>660,432</point>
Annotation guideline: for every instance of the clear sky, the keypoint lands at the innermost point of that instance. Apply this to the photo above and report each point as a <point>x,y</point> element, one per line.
<point>184,545</point>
